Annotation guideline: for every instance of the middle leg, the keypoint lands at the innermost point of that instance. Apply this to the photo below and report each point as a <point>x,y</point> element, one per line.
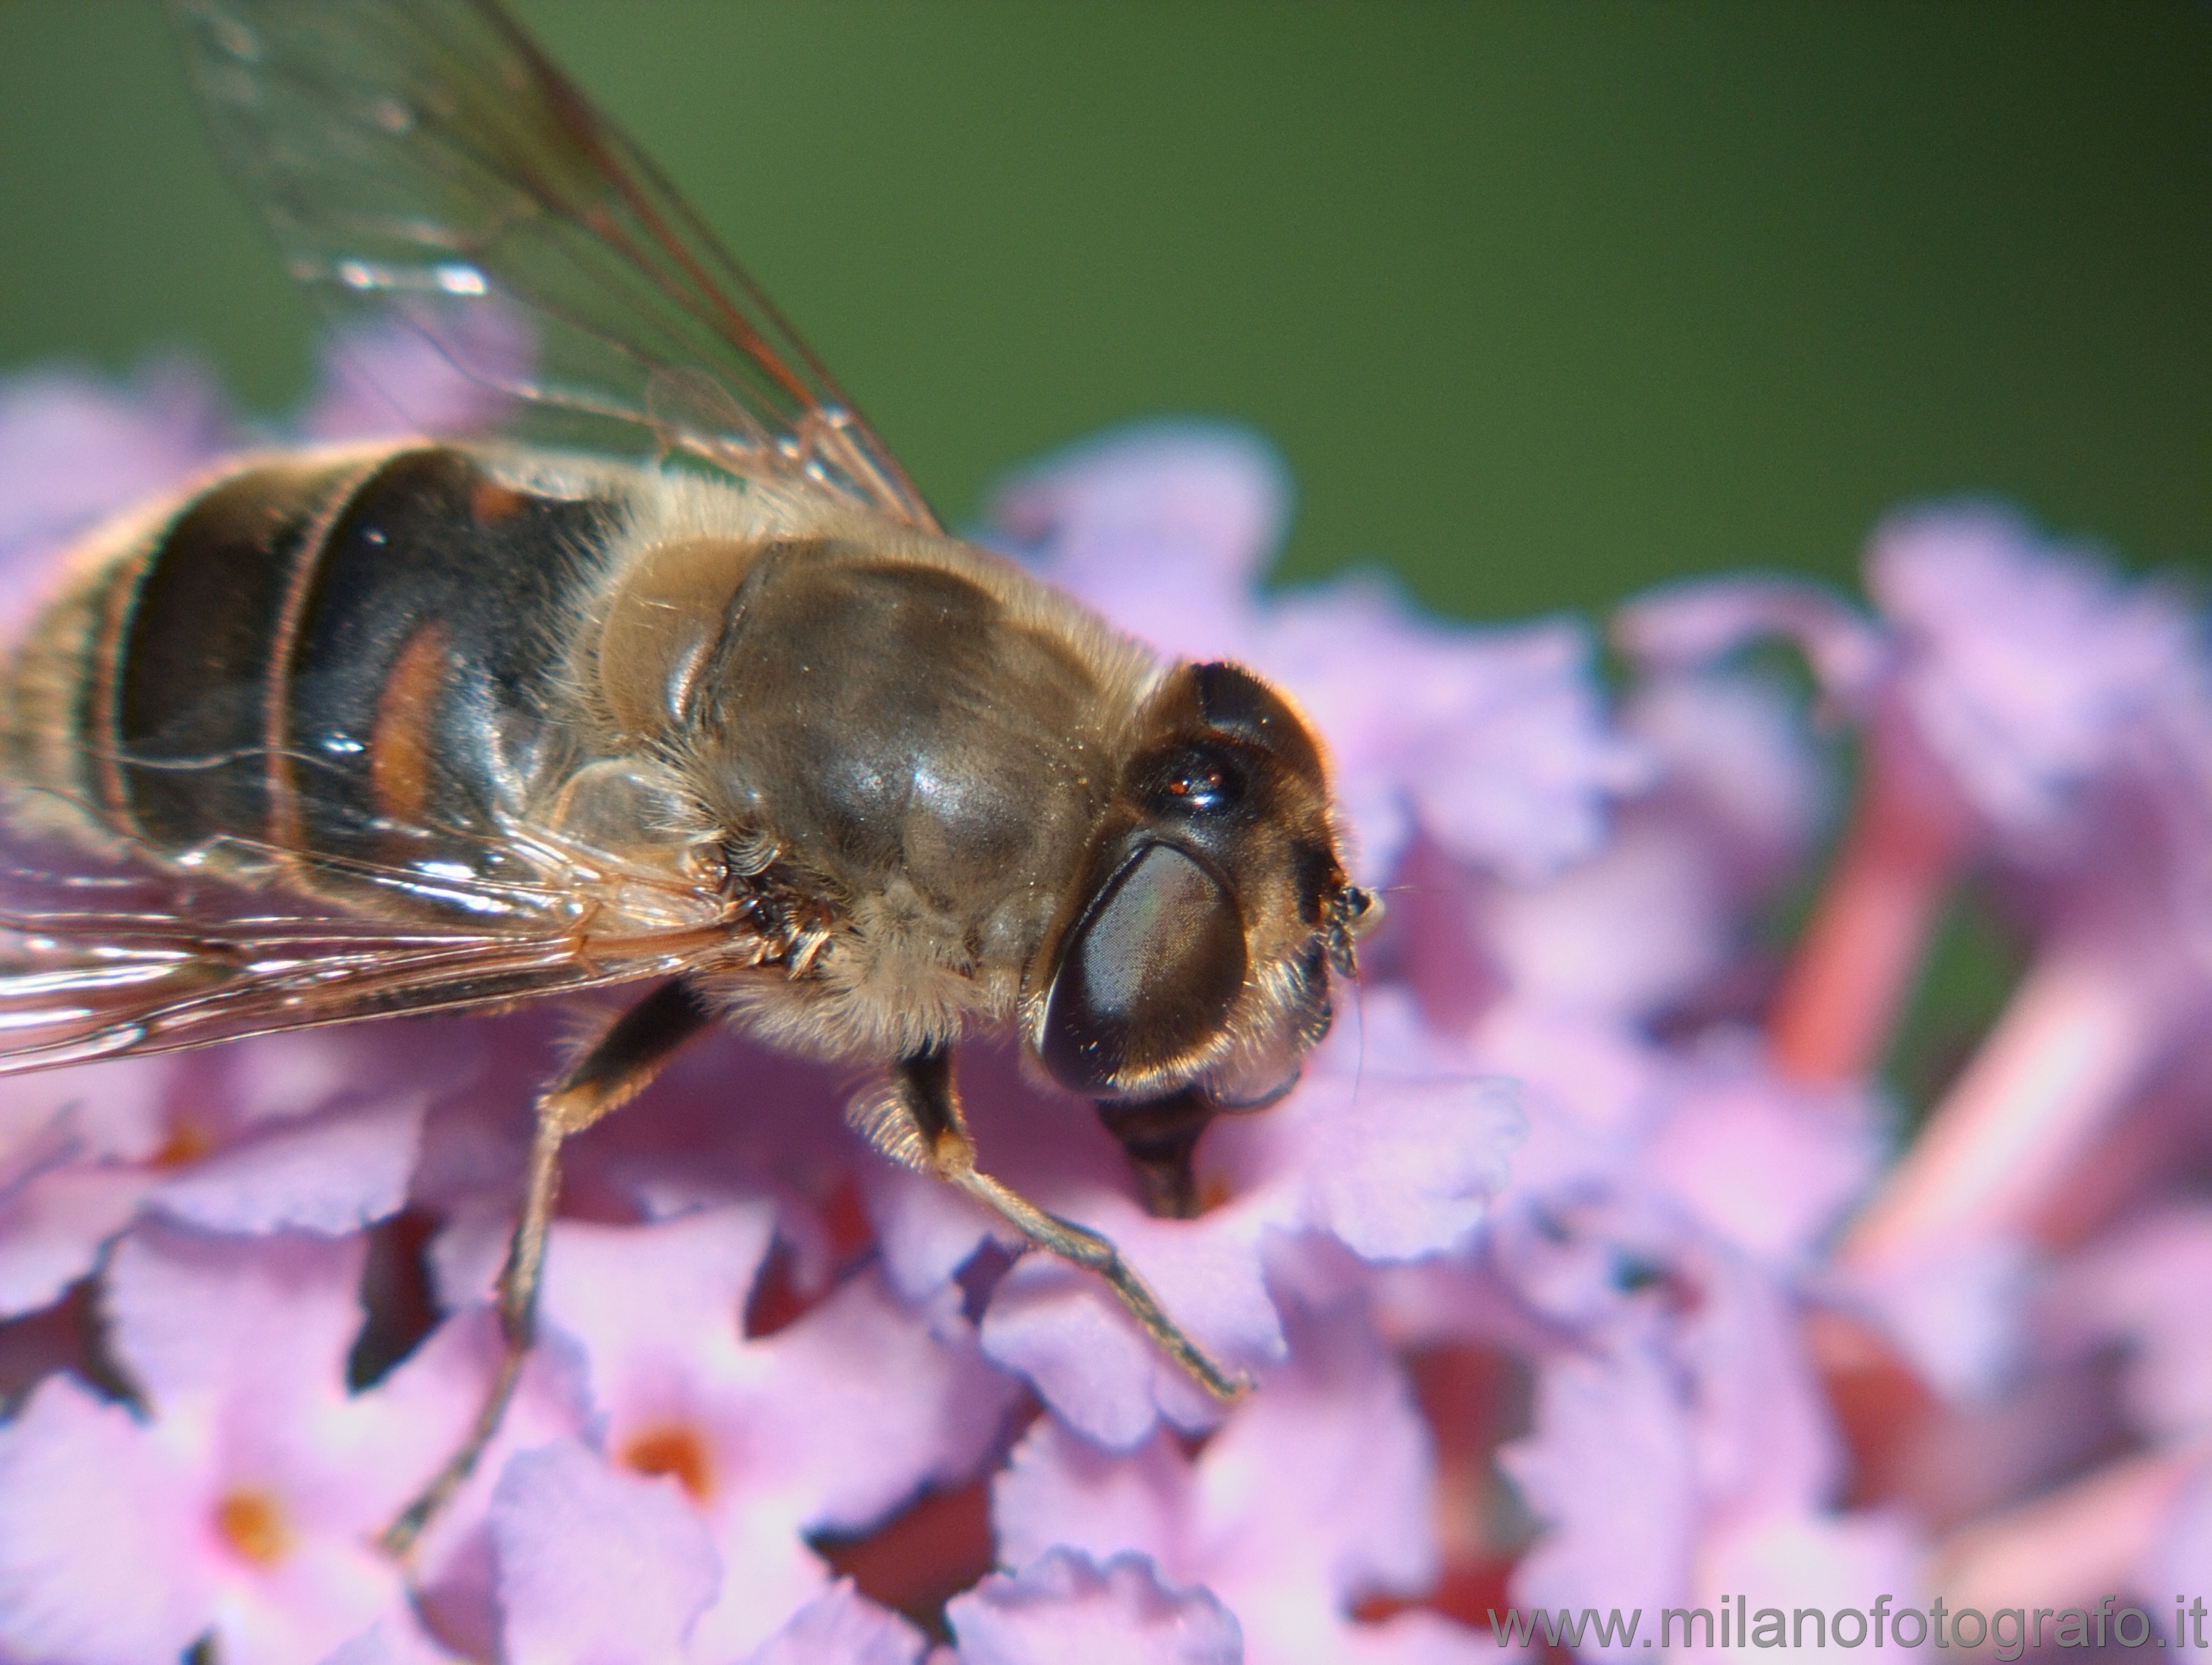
<point>626,1059</point>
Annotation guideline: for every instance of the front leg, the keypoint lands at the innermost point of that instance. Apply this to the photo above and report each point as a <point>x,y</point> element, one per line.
<point>931,1131</point>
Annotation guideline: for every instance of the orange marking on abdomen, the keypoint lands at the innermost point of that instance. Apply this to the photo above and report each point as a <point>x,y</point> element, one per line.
<point>402,743</point>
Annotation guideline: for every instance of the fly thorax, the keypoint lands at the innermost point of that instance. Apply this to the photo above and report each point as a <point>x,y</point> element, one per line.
<point>886,717</point>
<point>662,626</point>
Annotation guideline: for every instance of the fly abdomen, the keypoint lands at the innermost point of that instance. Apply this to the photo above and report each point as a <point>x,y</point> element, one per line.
<point>347,655</point>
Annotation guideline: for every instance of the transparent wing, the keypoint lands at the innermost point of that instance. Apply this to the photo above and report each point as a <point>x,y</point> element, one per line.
<point>424,157</point>
<point>134,961</point>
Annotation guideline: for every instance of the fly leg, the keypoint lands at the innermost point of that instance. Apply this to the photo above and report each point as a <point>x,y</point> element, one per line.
<point>933,1134</point>
<point>626,1058</point>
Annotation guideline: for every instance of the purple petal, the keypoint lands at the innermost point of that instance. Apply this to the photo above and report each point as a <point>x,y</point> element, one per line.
<point>2028,663</point>
<point>1727,817</point>
<point>274,1078</point>
<point>82,1147</point>
<point>1686,1411</point>
<point>130,1531</point>
<point>595,1563</point>
<point>331,1174</point>
<point>1825,1562</point>
<point>441,374</point>
<point>1061,1489</point>
<point>1091,1361</point>
<point>2177,1560</point>
<point>2145,1288</point>
<point>1496,744</point>
<point>1767,1164</point>
<point>54,1225</point>
<point>74,448</point>
<point>646,1299</point>
<point>729,1117</point>
<point>1954,1310</point>
<point>87,1113</point>
<point>768,1574</point>
<point>1611,1471</point>
<point>1740,771</point>
<point>1314,1492</point>
<point>926,1230</point>
<point>1767,1447</point>
<point>1395,1169</point>
<point>1320,1491</point>
<point>413,1420</point>
<point>830,1423</point>
<point>240,1348</point>
<point>1163,528</point>
<point>201,1322</point>
<point>875,1405</point>
<point>1562,945</point>
<point>1627,1272</point>
<point>96,1523</point>
<point>1061,1327</point>
<point>1067,1610</point>
<point>1700,621</point>
<point>327,1590</point>
<point>389,1642</point>
<point>1586,1082</point>
<point>842,1627</point>
<point>66,1138</point>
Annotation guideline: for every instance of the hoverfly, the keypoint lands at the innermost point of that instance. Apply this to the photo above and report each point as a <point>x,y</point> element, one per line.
<point>679,683</point>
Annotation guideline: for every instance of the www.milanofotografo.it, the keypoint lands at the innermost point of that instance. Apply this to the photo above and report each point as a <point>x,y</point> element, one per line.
<point>1734,1623</point>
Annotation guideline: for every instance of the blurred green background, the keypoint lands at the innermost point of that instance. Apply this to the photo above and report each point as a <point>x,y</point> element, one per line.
<point>1542,303</point>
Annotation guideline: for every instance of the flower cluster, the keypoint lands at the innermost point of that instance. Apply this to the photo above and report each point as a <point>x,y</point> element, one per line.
<point>1591,1266</point>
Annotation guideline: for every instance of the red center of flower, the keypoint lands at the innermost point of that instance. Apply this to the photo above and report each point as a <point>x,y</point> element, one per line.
<point>187,1143</point>
<point>252,1524</point>
<point>672,1450</point>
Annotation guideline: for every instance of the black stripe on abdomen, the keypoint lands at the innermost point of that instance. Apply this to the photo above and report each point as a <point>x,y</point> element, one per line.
<point>192,665</point>
<point>351,663</point>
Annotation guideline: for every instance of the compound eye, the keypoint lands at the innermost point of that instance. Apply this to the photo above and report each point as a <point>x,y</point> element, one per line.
<point>1149,974</point>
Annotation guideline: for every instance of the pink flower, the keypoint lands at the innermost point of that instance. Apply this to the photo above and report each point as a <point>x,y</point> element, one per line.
<point>422,369</point>
<point>595,1561</point>
<point>2143,1290</point>
<point>1681,1433</point>
<point>827,1425</point>
<point>74,449</point>
<point>241,1499</point>
<point>841,1628</point>
<point>1308,1499</point>
<point>2071,714</point>
<point>2027,669</point>
<point>1576,1272</point>
<point>307,1131</point>
<point>1065,1607</point>
<point>2030,709</point>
